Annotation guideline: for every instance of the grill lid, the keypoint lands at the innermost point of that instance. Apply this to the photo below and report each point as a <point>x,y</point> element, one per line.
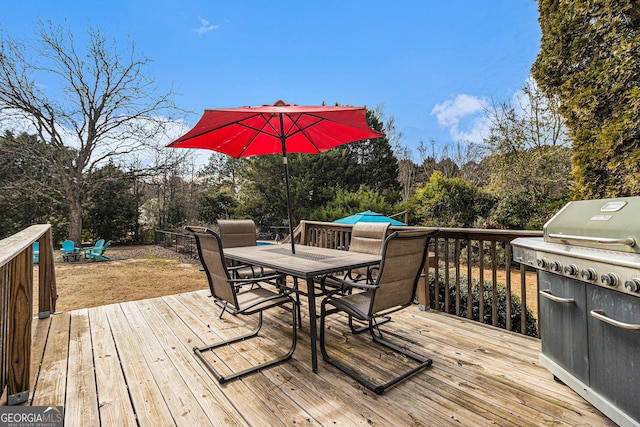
<point>612,224</point>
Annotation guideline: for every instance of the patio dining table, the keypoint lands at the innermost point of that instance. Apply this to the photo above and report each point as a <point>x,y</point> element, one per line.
<point>307,263</point>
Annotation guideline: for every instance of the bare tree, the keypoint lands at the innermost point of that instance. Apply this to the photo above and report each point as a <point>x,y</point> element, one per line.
<point>449,158</point>
<point>86,104</point>
<point>406,167</point>
<point>530,151</point>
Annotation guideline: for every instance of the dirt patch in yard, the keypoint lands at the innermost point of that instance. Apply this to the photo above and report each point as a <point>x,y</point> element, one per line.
<point>133,273</point>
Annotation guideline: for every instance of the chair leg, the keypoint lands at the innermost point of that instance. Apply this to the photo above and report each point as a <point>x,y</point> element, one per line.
<point>226,378</point>
<point>423,362</point>
<point>295,285</point>
<point>376,388</point>
<point>365,328</point>
<point>282,285</point>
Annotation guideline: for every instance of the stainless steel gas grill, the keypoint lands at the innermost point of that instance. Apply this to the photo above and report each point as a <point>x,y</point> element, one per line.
<point>588,265</point>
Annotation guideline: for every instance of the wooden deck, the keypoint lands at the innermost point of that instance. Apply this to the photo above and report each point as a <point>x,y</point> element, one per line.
<point>132,364</point>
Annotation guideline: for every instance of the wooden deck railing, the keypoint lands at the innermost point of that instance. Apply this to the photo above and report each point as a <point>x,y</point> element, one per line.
<point>462,262</point>
<point>16,303</point>
<point>466,266</point>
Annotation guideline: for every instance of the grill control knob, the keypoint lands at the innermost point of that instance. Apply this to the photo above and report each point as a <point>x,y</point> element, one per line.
<point>589,274</point>
<point>571,270</point>
<point>542,262</point>
<point>556,266</point>
<point>632,285</point>
<point>609,279</point>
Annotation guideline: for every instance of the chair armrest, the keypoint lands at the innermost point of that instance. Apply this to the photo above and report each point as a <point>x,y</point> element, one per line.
<point>262,301</point>
<point>350,284</point>
<point>256,279</point>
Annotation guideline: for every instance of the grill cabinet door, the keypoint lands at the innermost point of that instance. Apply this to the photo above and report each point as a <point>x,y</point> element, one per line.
<point>563,328</point>
<point>614,351</point>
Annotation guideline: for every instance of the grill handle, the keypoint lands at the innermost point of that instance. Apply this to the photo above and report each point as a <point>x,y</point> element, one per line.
<point>548,295</point>
<point>599,314</point>
<point>627,241</point>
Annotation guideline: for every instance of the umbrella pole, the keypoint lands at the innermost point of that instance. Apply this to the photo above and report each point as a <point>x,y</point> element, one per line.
<point>285,167</point>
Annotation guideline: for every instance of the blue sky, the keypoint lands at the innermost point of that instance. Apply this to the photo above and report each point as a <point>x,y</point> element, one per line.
<point>431,64</point>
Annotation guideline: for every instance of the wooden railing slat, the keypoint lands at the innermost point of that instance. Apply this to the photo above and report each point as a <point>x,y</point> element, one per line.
<point>481,280</point>
<point>507,251</point>
<point>494,285</point>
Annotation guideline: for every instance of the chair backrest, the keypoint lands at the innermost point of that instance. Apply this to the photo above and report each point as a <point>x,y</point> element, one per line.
<point>403,257</point>
<point>211,255</point>
<point>237,232</point>
<point>104,247</point>
<point>368,237</point>
<point>99,247</point>
<point>68,246</point>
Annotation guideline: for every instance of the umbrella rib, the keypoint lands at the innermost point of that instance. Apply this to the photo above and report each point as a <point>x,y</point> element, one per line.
<point>213,129</point>
<point>258,132</point>
<point>303,129</point>
<point>267,122</point>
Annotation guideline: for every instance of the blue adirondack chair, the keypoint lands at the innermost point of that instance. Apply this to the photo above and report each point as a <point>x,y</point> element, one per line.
<point>97,247</point>
<point>36,252</point>
<point>97,252</point>
<point>69,251</point>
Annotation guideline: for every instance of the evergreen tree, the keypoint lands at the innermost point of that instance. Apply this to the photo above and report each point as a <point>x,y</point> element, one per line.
<point>347,203</point>
<point>27,201</point>
<point>111,213</point>
<point>451,202</point>
<point>590,59</point>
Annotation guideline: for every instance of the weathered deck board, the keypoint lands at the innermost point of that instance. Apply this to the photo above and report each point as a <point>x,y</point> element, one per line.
<point>133,364</point>
<point>52,377</point>
<point>113,402</point>
<point>82,392</point>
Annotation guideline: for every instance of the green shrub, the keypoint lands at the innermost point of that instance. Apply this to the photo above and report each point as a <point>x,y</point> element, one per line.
<point>516,305</point>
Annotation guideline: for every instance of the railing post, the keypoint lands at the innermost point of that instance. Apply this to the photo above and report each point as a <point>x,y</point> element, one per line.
<point>422,291</point>
<point>47,289</point>
<point>19,327</point>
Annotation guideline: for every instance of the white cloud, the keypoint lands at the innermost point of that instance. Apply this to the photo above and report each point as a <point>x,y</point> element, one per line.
<point>205,27</point>
<point>463,116</point>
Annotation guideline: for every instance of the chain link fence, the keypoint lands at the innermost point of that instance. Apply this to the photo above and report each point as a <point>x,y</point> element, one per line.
<point>180,242</point>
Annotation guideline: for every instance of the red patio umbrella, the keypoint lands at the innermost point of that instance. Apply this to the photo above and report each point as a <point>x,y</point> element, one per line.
<point>277,128</point>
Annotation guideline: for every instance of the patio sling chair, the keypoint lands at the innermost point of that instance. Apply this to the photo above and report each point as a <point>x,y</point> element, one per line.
<point>234,299</point>
<point>394,288</point>
<point>241,232</point>
<point>368,238</point>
